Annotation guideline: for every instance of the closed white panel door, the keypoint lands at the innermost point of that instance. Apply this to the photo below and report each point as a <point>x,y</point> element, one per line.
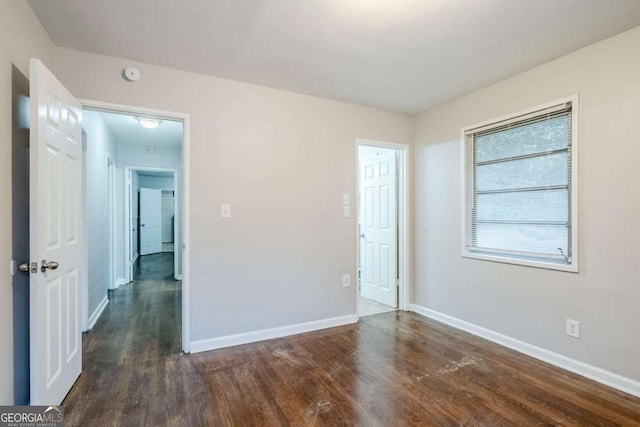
<point>150,221</point>
<point>55,182</point>
<point>378,218</point>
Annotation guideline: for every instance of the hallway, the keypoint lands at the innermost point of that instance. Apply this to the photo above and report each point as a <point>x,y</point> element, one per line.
<point>130,350</point>
<point>154,267</point>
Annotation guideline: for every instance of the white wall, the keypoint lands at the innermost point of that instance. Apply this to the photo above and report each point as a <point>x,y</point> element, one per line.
<point>100,143</point>
<point>21,37</point>
<point>137,155</point>
<point>159,182</point>
<point>282,160</point>
<point>532,304</point>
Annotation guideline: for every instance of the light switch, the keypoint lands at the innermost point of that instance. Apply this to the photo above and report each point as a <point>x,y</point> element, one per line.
<point>346,280</point>
<point>346,211</point>
<point>225,211</point>
<point>346,200</point>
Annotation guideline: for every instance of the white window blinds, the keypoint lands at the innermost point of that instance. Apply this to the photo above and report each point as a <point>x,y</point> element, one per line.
<point>518,186</point>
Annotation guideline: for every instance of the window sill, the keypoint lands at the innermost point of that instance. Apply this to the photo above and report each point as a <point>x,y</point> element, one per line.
<point>548,265</point>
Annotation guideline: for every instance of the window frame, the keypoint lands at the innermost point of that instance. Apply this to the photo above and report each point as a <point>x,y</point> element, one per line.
<point>513,258</point>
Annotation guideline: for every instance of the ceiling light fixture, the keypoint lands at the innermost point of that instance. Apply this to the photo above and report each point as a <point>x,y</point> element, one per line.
<point>147,122</point>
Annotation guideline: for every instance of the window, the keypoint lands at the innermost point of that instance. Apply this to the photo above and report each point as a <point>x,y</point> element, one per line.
<point>520,188</point>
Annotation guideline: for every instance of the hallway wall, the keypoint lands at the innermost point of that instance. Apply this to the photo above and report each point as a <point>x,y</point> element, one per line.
<point>161,182</point>
<point>99,143</point>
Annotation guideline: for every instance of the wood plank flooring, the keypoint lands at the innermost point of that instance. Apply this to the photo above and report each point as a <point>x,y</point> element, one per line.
<point>392,369</point>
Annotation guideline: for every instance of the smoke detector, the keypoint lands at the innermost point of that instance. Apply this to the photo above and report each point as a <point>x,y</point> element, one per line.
<point>131,73</point>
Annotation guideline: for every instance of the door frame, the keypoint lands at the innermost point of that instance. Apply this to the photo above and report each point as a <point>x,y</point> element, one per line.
<point>402,200</point>
<point>111,206</point>
<point>186,203</point>
<point>128,170</point>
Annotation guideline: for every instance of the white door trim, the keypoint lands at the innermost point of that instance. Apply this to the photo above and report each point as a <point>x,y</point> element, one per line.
<point>111,206</point>
<point>404,254</point>
<point>186,204</point>
<point>83,291</point>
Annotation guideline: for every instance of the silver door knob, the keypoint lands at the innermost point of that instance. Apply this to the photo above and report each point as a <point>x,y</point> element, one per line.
<point>51,265</point>
<point>362,235</point>
<point>26,267</point>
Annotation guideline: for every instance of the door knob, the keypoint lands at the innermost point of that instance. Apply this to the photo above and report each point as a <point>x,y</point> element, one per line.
<point>362,235</point>
<point>51,265</point>
<point>26,267</point>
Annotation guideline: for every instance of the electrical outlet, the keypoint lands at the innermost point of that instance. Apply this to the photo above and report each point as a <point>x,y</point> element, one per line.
<point>346,199</point>
<point>346,211</point>
<point>573,328</point>
<point>346,280</point>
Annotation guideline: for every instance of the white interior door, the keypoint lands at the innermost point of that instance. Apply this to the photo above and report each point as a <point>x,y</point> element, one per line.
<point>378,228</point>
<point>55,182</point>
<point>150,221</point>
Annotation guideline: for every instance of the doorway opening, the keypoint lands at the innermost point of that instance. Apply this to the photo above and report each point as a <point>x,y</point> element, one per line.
<point>152,204</point>
<point>145,153</point>
<point>382,248</point>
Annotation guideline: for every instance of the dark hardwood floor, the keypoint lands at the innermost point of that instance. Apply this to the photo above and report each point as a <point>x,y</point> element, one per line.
<point>392,369</point>
<point>154,267</point>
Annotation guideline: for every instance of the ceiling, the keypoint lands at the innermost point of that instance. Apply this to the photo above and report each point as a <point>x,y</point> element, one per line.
<point>400,55</point>
<point>125,129</point>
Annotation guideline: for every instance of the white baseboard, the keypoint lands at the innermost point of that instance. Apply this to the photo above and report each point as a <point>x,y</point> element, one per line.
<point>267,334</point>
<point>98,312</point>
<point>600,375</point>
<point>121,282</point>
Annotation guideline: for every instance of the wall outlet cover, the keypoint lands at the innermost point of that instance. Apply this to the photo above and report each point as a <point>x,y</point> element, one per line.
<point>573,328</point>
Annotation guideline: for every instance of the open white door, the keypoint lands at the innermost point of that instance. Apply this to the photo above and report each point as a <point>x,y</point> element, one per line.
<point>150,221</point>
<point>378,228</point>
<point>55,183</point>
